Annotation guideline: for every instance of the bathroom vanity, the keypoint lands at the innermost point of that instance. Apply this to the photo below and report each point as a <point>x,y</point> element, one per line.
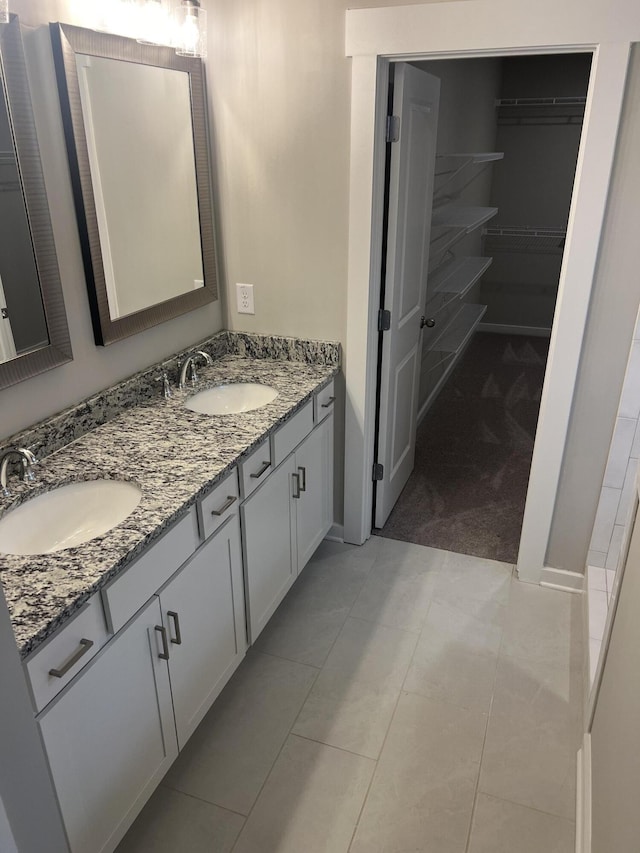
<point>128,639</point>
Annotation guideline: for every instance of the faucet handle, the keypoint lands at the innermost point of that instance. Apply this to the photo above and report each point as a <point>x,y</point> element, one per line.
<point>166,386</point>
<point>28,461</point>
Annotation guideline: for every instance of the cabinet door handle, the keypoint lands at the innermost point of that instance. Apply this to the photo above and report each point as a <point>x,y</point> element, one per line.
<point>85,645</point>
<point>176,627</point>
<point>164,654</point>
<point>264,467</point>
<point>231,499</point>
<point>329,402</point>
<point>303,484</point>
<point>296,479</point>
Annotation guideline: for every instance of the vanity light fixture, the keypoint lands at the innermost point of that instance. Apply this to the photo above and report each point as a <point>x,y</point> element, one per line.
<point>191,29</point>
<point>4,11</point>
<point>154,22</point>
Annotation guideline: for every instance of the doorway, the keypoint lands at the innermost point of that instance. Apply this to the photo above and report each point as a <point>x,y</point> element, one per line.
<point>460,29</point>
<point>508,136</point>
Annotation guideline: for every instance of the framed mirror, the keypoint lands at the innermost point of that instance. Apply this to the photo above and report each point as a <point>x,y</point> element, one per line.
<point>135,123</point>
<point>34,336</point>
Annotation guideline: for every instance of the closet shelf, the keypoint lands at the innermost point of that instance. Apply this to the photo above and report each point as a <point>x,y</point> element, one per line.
<point>528,111</point>
<point>458,276</point>
<point>458,332</point>
<point>461,217</point>
<point>563,101</point>
<point>525,239</point>
<point>449,166</point>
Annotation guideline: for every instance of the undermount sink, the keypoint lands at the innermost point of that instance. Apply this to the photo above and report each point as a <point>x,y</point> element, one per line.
<point>231,398</point>
<point>67,516</point>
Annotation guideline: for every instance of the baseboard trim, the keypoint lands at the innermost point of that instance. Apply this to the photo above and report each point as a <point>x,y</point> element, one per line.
<point>504,329</point>
<point>583,797</point>
<point>336,533</point>
<point>562,580</point>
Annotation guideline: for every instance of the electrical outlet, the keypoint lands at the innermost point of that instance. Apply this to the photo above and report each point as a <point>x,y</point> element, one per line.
<point>244,294</point>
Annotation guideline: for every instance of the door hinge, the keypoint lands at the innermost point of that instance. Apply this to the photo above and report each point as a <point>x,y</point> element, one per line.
<point>393,128</point>
<point>384,320</point>
<point>4,313</point>
<point>378,471</point>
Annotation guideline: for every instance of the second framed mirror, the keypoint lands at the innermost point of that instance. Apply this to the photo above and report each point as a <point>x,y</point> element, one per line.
<point>135,123</point>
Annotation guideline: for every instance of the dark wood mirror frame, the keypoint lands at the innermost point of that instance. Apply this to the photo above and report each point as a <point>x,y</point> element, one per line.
<point>18,96</point>
<point>67,42</point>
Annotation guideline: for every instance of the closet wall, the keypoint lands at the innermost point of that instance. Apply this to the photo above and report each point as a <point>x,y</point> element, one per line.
<point>539,121</point>
<point>466,123</point>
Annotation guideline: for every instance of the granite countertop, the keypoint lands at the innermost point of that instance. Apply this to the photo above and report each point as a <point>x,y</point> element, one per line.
<point>174,455</point>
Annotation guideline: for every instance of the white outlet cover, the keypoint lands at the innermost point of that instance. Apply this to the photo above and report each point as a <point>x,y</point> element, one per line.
<point>244,298</point>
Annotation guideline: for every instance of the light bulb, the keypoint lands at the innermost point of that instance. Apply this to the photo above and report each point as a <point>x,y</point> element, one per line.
<point>191,33</point>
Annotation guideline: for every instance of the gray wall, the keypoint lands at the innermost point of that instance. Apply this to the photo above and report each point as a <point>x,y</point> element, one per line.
<point>610,325</point>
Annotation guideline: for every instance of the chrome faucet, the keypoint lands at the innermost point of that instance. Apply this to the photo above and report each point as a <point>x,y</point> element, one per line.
<point>190,365</point>
<point>28,460</point>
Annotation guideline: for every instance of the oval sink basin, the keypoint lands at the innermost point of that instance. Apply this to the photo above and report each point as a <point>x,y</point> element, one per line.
<point>67,516</point>
<point>231,398</point>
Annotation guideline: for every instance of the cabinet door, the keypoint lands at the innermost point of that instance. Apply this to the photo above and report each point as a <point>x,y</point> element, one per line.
<point>110,737</point>
<point>269,546</point>
<point>314,507</point>
<point>203,612</point>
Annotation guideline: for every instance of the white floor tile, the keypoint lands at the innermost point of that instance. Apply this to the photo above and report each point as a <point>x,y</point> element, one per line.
<point>596,578</point>
<point>605,519</point>
<point>372,653</point>
<point>597,559</point>
<point>594,654</point>
<point>598,607</point>
<point>503,827</point>
<point>310,802</point>
<point>232,751</point>
<point>422,793</point>
<point>619,452</point>
<point>173,821</point>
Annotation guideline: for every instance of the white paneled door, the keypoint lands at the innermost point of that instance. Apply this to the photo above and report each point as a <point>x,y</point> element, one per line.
<point>415,103</point>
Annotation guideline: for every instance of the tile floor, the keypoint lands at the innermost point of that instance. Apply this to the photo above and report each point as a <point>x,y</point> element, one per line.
<point>401,699</point>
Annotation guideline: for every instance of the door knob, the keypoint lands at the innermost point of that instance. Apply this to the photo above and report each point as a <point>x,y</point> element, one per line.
<point>429,323</point>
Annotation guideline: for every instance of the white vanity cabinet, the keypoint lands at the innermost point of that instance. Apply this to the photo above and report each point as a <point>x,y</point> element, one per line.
<point>314,506</point>
<point>110,737</point>
<point>284,521</point>
<point>167,633</point>
<point>203,621</point>
<point>268,538</point>
<point>115,730</point>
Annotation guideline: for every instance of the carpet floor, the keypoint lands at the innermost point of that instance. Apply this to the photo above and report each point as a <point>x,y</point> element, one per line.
<point>473,452</point>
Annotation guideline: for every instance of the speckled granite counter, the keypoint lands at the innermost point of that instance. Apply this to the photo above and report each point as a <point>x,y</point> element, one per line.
<point>174,455</point>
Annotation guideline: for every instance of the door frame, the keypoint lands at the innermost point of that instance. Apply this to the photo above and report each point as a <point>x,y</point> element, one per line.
<point>479,28</point>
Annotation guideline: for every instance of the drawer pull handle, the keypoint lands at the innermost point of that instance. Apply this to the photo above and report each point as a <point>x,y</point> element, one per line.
<point>231,499</point>
<point>296,491</point>
<point>303,483</point>
<point>329,402</point>
<point>176,627</point>
<point>85,645</point>
<point>164,654</point>
<point>264,467</point>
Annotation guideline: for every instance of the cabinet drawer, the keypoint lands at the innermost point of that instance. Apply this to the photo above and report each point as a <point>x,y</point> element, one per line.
<point>255,469</point>
<point>218,505</point>
<point>324,402</point>
<point>290,434</point>
<point>61,658</point>
<point>126,594</point>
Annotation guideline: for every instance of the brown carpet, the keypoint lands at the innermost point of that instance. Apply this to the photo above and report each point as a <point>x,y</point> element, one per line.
<point>473,452</point>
